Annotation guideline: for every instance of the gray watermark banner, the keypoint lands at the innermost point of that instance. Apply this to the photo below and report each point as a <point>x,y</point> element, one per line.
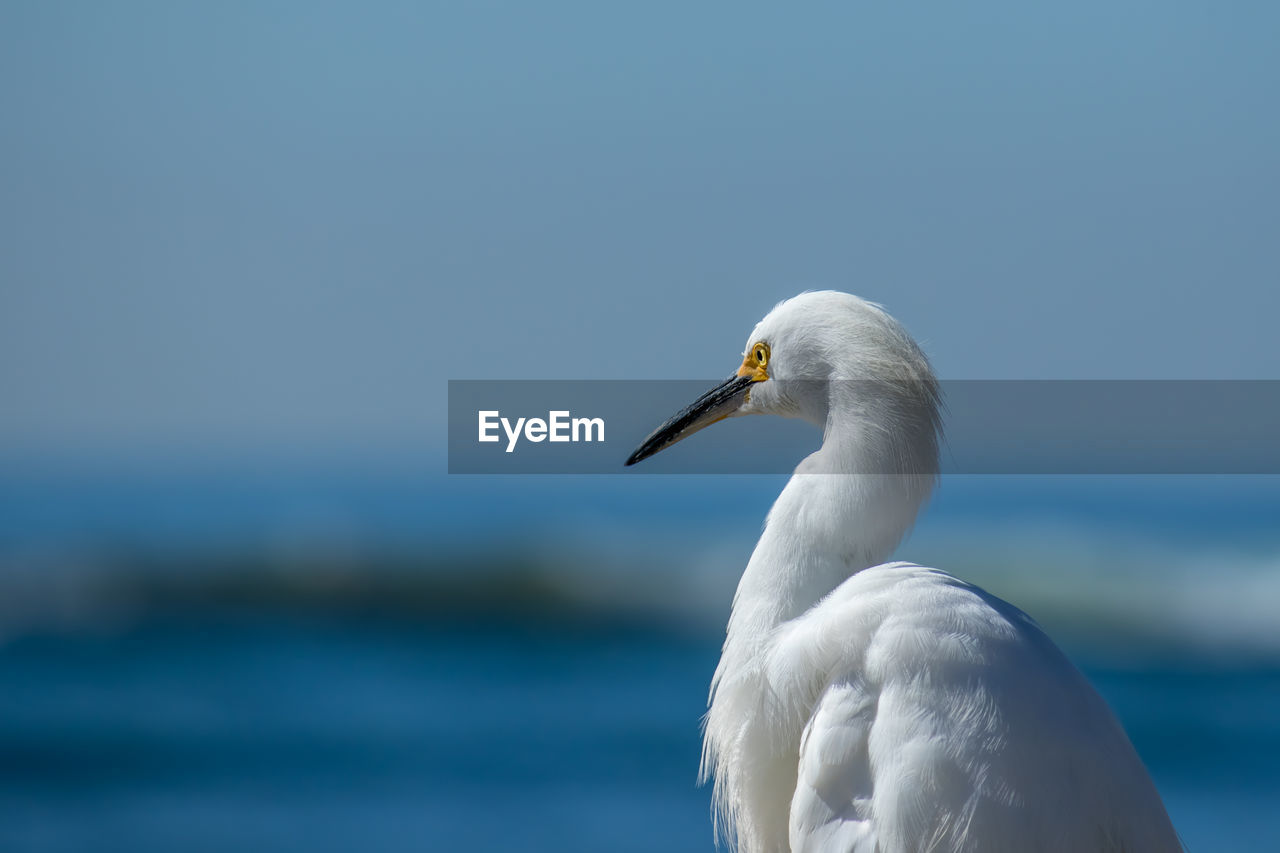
<point>989,427</point>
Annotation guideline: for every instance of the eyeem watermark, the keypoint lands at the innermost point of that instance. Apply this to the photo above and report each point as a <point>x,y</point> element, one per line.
<point>558,426</point>
<point>991,427</point>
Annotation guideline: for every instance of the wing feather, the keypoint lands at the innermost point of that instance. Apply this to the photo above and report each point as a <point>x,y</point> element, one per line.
<point>948,721</point>
<point>831,809</point>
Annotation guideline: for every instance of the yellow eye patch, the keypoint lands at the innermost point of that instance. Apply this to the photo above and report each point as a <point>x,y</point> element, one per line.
<point>756,362</point>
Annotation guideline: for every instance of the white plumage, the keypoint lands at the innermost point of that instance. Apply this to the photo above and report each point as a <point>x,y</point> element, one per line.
<point>865,707</point>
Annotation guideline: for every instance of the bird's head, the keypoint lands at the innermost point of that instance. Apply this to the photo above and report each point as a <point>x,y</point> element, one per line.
<point>819,356</point>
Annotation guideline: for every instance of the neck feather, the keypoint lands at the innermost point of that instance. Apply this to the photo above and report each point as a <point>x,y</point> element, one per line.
<point>845,509</point>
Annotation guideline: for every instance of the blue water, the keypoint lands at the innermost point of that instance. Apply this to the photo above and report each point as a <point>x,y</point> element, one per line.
<point>270,731</point>
<point>199,723</point>
<point>133,504</point>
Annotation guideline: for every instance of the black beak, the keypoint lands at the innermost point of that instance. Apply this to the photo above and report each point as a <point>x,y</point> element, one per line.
<point>715,405</point>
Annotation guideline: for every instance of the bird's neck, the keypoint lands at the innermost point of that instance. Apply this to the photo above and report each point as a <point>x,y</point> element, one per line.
<point>843,511</point>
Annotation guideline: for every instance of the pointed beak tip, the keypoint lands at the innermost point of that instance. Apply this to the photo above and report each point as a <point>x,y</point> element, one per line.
<point>640,454</point>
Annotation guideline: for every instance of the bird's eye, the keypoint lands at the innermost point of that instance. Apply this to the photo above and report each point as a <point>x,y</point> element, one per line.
<point>761,354</point>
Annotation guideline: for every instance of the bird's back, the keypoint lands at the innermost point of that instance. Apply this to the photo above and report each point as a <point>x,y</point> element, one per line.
<point>909,711</point>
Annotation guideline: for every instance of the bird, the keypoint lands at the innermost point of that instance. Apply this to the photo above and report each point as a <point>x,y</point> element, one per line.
<point>865,706</point>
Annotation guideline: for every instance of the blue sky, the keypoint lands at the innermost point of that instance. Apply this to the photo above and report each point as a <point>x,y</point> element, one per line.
<point>286,225</point>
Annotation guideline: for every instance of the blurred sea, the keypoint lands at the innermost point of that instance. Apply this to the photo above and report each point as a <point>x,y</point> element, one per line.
<point>398,662</point>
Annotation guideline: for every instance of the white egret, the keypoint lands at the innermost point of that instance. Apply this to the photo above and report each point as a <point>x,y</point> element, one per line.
<point>866,707</point>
